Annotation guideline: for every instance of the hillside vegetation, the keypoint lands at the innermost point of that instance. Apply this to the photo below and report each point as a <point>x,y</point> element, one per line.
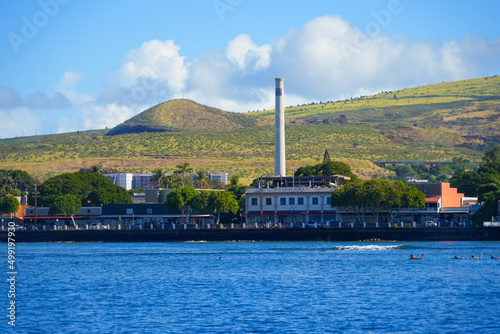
<point>433,123</point>
<point>182,114</point>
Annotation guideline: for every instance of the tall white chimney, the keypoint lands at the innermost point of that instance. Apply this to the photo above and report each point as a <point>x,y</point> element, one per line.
<point>279,130</point>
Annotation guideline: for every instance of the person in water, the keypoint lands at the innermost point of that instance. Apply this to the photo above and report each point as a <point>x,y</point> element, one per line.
<point>416,258</point>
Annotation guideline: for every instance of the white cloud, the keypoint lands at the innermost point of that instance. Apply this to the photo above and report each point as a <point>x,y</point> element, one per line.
<point>157,60</point>
<point>66,86</point>
<point>326,59</point>
<point>19,122</point>
<point>330,59</point>
<point>245,54</point>
<point>110,115</point>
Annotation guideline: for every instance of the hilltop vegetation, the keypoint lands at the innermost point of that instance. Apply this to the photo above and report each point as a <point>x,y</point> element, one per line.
<point>434,123</point>
<point>182,114</point>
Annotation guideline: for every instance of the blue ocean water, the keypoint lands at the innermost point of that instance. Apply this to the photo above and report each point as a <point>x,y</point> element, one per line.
<point>287,287</point>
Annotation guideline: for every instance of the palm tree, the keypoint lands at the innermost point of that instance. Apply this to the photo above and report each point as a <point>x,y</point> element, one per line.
<point>202,179</point>
<point>158,176</point>
<point>182,170</point>
<point>172,181</point>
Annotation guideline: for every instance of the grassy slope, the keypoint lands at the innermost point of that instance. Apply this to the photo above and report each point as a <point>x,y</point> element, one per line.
<point>182,114</point>
<point>435,122</point>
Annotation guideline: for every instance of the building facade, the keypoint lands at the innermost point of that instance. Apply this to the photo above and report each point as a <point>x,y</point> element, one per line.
<point>123,180</point>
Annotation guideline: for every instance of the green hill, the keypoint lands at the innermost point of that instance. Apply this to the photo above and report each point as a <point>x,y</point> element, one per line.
<point>433,123</point>
<point>180,115</point>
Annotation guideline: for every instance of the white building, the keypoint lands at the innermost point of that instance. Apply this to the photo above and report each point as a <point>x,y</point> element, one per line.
<point>143,180</point>
<point>123,180</point>
<point>289,200</point>
<point>221,177</point>
<point>289,205</point>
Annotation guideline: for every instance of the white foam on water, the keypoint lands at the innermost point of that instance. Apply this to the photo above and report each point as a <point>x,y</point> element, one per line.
<point>369,247</point>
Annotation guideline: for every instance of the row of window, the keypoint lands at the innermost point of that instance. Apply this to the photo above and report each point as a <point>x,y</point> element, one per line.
<point>290,200</point>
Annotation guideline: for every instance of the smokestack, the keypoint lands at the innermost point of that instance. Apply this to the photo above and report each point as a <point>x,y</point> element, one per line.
<point>279,130</point>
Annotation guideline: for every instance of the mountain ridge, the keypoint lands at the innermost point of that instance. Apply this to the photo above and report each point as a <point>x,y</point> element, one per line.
<point>428,123</point>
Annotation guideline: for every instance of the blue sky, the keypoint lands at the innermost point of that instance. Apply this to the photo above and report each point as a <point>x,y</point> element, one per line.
<point>71,64</point>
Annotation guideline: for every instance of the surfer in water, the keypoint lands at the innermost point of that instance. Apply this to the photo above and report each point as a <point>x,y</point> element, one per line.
<point>416,258</point>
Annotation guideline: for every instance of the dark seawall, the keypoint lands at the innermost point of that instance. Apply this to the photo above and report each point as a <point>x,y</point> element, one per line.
<point>218,235</point>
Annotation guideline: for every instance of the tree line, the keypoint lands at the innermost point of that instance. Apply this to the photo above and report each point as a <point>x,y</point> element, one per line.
<point>375,195</point>
<point>483,184</point>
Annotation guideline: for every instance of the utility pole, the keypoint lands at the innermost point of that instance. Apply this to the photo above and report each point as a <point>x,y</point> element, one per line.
<point>36,203</point>
<point>261,199</point>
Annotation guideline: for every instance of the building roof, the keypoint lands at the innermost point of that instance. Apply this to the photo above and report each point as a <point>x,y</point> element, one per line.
<point>307,181</point>
<point>433,199</point>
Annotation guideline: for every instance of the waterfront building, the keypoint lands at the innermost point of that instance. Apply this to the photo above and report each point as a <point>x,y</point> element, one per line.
<point>292,200</point>
<point>444,203</point>
<point>150,215</point>
<point>113,215</point>
<point>86,216</point>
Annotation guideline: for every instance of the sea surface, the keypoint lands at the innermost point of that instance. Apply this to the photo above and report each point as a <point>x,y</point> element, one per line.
<point>245,287</point>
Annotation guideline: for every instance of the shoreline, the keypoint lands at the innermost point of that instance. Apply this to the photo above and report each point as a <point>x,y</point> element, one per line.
<point>235,235</point>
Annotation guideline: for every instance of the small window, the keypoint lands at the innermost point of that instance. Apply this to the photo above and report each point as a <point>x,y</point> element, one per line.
<point>149,211</point>
<point>315,201</point>
<point>282,201</point>
<point>291,201</point>
<point>130,211</point>
<point>328,200</point>
<point>269,201</point>
<point>300,201</point>
<point>254,201</point>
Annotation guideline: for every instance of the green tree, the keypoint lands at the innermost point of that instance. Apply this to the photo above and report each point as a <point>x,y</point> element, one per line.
<point>172,181</point>
<point>217,202</point>
<point>201,179</point>
<point>16,179</point>
<point>327,169</point>
<point>234,180</point>
<point>350,197</point>
<point>326,157</point>
<point>92,189</point>
<point>181,198</point>
<point>469,182</point>
<point>183,169</point>
<point>9,204</point>
<point>489,196</point>
<point>97,168</point>
<point>68,205</point>
<point>361,196</point>
<point>158,177</point>
<point>492,154</point>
